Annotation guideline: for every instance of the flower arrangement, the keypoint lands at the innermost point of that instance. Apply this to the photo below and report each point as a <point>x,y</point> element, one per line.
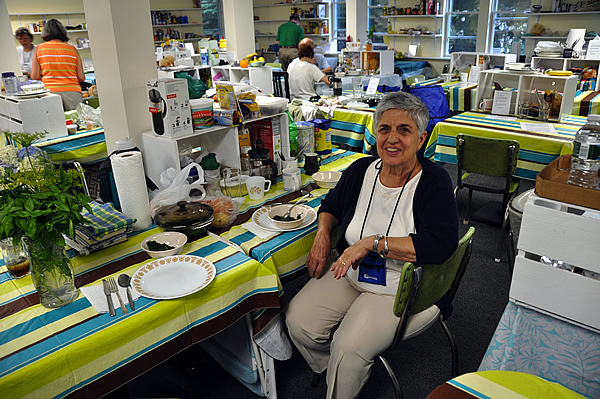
<point>39,202</point>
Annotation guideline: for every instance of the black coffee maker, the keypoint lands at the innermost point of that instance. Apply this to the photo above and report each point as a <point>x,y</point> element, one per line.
<point>261,163</point>
<point>337,86</point>
<point>158,109</point>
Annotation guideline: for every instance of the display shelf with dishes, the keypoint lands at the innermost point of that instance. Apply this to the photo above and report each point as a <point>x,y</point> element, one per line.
<point>382,60</point>
<point>183,24</point>
<point>461,59</point>
<point>173,277</point>
<point>261,218</point>
<point>161,153</point>
<point>523,85</point>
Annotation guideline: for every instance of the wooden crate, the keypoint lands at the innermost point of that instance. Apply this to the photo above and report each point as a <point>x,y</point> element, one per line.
<point>565,232</point>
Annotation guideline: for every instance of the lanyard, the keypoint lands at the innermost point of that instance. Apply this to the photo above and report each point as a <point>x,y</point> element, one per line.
<point>378,166</point>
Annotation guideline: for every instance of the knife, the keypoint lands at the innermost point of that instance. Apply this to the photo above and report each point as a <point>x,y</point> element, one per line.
<point>111,307</point>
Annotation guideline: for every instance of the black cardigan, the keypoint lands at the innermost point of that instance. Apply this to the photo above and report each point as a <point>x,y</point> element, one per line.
<point>434,209</point>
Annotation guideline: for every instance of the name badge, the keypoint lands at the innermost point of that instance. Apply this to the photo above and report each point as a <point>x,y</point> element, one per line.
<point>372,269</point>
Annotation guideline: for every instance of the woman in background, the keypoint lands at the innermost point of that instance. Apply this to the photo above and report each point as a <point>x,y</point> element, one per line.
<point>59,65</point>
<point>25,51</point>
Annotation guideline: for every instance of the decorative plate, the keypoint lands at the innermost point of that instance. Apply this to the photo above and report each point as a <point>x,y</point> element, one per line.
<point>173,277</point>
<point>261,218</point>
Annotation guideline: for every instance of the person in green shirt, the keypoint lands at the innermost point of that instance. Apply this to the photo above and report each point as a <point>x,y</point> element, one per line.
<point>288,36</point>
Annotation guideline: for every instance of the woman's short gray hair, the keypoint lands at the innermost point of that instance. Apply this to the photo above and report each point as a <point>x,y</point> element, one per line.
<point>414,107</point>
<point>54,30</point>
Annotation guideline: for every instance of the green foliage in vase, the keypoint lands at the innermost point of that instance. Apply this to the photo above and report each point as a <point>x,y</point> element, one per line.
<point>37,200</point>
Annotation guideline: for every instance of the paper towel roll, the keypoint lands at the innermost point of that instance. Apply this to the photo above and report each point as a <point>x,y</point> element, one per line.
<point>128,171</point>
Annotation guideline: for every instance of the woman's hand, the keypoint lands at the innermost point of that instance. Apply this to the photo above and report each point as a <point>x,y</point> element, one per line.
<point>318,255</point>
<point>352,256</point>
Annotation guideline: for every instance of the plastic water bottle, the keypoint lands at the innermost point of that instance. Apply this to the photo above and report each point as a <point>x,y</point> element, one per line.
<point>585,161</point>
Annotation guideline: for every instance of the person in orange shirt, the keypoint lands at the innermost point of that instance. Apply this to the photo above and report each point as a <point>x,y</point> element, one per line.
<point>58,64</point>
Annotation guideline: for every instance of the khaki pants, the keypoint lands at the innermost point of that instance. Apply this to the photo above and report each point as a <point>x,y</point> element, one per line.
<point>367,328</point>
<point>286,55</point>
<point>70,99</point>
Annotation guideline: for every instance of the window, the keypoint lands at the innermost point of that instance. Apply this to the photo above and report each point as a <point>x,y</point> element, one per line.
<point>211,17</point>
<point>339,24</point>
<point>463,16</point>
<point>375,11</point>
<point>508,25</point>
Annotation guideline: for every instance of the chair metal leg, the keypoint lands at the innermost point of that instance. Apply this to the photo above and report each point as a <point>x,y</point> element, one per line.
<point>395,382</point>
<point>466,220</point>
<point>505,226</point>
<point>511,253</point>
<point>453,347</point>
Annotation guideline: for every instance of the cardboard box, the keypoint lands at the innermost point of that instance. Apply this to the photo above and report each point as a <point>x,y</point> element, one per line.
<point>551,183</point>
<point>169,106</point>
<point>269,132</point>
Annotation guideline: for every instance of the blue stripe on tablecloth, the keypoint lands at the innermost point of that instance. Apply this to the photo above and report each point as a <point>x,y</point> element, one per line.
<point>345,140</point>
<point>468,389</point>
<point>348,126</point>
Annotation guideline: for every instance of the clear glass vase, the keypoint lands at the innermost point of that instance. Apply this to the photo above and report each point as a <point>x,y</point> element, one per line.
<point>15,258</point>
<point>51,273</point>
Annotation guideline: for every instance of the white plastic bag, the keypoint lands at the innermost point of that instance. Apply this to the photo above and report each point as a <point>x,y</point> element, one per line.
<point>179,190</point>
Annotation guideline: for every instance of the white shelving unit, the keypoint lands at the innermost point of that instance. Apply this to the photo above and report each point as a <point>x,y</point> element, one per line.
<point>524,84</point>
<point>472,58</point>
<point>566,64</point>
<point>384,59</point>
<point>161,153</point>
<point>259,77</point>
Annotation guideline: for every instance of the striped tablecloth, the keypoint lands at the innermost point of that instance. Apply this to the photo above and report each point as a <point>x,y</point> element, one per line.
<point>75,351</point>
<point>537,149</point>
<point>85,147</point>
<point>286,252</point>
<point>353,127</point>
<point>586,102</point>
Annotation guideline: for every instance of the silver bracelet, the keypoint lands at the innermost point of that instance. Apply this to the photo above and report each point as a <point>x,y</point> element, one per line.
<point>385,250</point>
<point>376,242</point>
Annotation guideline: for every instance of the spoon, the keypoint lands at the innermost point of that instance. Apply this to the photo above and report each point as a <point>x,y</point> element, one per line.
<point>306,194</point>
<point>124,281</point>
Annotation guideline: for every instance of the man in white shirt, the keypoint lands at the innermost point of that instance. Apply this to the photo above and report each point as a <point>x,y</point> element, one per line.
<point>304,74</point>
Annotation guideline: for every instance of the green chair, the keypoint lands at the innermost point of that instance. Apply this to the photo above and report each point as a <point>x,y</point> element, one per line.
<point>411,80</point>
<point>488,165</point>
<point>419,290</point>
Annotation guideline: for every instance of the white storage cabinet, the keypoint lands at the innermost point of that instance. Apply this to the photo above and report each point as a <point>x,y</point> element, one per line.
<point>33,115</point>
<point>160,153</point>
<point>524,84</point>
<point>560,231</point>
<point>565,64</point>
<point>261,77</point>
<point>383,58</point>
<point>471,58</point>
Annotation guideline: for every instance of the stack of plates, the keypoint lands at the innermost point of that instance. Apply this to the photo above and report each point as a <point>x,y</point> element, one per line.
<point>548,49</point>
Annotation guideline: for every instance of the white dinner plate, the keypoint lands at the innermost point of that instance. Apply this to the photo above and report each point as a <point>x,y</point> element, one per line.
<point>173,277</point>
<point>352,73</point>
<point>549,55</point>
<point>36,93</point>
<point>261,218</point>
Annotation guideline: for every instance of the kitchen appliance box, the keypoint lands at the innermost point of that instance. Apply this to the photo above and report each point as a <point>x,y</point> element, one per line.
<point>169,104</point>
<point>269,132</point>
<point>44,113</point>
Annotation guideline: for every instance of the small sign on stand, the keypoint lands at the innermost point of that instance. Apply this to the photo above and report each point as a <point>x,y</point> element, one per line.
<point>501,104</point>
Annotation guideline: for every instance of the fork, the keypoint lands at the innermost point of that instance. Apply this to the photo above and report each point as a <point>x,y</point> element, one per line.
<point>112,284</point>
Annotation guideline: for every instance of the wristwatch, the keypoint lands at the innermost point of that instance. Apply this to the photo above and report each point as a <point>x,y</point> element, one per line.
<point>376,242</point>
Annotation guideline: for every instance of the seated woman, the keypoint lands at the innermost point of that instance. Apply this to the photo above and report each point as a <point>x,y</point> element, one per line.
<point>304,74</point>
<point>396,208</point>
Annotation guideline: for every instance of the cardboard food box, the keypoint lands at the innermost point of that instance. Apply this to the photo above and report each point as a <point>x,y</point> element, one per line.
<point>169,105</point>
<point>551,183</point>
<point>269,132</point>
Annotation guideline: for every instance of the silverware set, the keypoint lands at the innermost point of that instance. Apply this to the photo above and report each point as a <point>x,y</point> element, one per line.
<point>110,287</point>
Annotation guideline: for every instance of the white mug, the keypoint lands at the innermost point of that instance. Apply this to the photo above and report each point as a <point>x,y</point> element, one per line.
<point>257,186</point>
<point>291,179</point>
<point>290,162</point>
<point>447,77</point>
<point>486,104</point>
<point>464,76</point>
